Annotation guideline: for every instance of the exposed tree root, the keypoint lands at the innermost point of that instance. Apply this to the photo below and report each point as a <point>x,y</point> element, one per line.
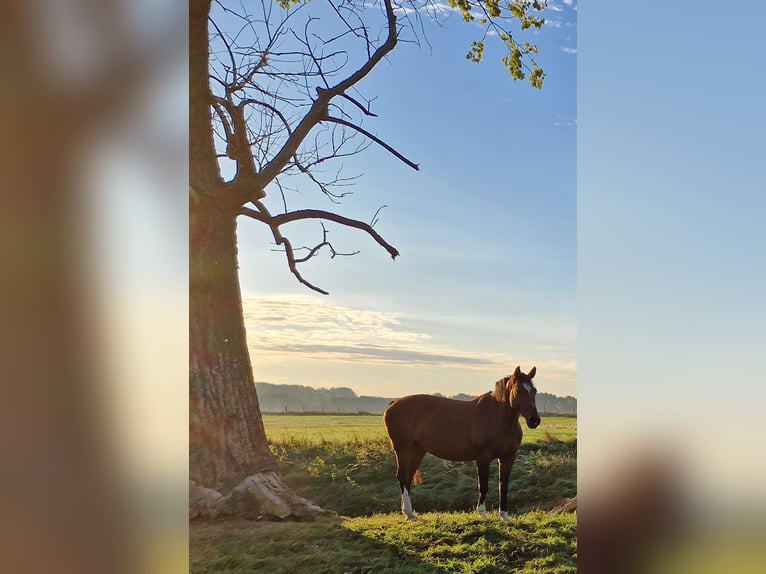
<point>565,505</point>
<point>261,495</point>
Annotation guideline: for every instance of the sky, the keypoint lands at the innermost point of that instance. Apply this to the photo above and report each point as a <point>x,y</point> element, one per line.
<point>486,228</point>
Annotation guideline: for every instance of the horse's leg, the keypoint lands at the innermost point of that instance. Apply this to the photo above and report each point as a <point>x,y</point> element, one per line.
<point>483,467</point>
<point>404,474</point>
<point>505,472</point>
<point>416,457</point>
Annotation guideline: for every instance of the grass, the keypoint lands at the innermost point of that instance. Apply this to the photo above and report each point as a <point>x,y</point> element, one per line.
<point>310,428</point>
<point>344,428</point>
<point>437,543</point>
<point>345,464</point>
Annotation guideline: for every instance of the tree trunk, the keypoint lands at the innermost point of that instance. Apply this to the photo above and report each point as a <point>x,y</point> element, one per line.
<point>231,468</point>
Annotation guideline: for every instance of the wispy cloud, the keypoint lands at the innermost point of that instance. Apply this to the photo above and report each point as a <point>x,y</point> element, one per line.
<point>568,50</point>
<point>564,121</point>
<point>378,354</point>
<point>299,337</point>
<point>432,8</point>
<point>319,330</point>
<point>556,7</point>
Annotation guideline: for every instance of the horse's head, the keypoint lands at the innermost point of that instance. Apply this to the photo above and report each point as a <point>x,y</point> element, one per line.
<point>521,395</point>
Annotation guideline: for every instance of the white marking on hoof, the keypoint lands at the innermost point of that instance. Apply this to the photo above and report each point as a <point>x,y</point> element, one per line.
<point>407,505</point>
<point>482,510</point>
<point>504,515</point>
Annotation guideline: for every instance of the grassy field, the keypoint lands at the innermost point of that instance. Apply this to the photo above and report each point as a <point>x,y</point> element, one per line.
<point>385,544</point>
<point>345,464</point>
<point>322,428</point>
<point>319,428</point>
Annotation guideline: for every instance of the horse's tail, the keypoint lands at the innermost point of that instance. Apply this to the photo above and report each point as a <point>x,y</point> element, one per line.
<point>417,479</point>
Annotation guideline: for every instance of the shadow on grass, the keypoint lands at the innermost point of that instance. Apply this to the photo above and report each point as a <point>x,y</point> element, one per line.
<point>321,546</point>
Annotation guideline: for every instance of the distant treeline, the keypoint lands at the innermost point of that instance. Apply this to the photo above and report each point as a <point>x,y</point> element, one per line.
<point>300,398</point>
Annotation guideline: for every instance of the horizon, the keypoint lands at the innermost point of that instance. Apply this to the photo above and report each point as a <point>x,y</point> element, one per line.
<point>386,397</point>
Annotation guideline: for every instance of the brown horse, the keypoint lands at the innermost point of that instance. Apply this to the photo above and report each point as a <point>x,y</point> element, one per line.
<point>483,429</point>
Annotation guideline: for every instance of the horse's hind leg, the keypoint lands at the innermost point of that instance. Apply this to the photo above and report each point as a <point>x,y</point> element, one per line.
<point>407,462</point>
<point>483,467</point>
<point>402,474</point>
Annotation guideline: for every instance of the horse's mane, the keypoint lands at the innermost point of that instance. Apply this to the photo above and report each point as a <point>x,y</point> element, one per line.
<point>501,392</point>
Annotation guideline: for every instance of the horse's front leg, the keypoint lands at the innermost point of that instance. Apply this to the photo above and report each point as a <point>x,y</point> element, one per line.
<point>483,467</point>
<point>505,472</point>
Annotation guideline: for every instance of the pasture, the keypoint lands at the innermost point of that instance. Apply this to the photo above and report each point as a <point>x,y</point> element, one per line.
<point>346,465</point>
<point>315,428</point>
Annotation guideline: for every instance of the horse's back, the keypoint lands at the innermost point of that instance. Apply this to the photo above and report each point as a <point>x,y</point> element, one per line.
<point>436,424</point>
<point>400,415</point>
<point>421,407</point>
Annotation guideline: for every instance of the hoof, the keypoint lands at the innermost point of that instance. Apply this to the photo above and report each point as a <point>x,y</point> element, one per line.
<point>504,515</point>
<point>481,509</point>
<point>410,517</point>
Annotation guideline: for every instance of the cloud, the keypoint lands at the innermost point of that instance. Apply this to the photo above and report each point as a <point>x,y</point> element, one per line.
<point>432,8</point>
<point>378,353</point>
<point>298,336</point>
<point>569,50</point>
<point>564,121</point>
<point>283,319</point>
<point>315,329</point>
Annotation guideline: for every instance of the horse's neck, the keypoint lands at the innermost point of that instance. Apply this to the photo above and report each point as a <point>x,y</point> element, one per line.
<point>511,415</point>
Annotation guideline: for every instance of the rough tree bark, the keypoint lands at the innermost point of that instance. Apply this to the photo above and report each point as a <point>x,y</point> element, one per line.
<point>230,464</point>
<point>231,469</point>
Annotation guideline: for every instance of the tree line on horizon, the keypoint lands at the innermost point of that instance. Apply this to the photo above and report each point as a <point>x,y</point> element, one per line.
<point>274,398</point>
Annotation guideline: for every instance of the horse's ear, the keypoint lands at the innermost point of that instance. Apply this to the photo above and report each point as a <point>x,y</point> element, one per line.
<point>532,372</point>
<point>517,372</point>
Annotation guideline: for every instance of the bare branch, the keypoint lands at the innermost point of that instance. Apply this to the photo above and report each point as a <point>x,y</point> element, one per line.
<point>314,250</point>
<point>262,214</point>
<point>291,263</point>
<point>376,57</point>
<point>375,217</point>
<point>275,221</point>
<point>272,109</point>
<point>373,138</point>
<point>318,110</point>
<point>330,216</point>
<point>365,110</point>
<point>228,49</point>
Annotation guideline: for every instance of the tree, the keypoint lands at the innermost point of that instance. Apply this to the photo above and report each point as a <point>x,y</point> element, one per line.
<point>274,99</point>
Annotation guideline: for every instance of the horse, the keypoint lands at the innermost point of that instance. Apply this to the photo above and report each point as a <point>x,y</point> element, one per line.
<point>483,429</point>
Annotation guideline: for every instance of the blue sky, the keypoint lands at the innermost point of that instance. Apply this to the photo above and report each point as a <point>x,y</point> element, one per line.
<point>486,279</point>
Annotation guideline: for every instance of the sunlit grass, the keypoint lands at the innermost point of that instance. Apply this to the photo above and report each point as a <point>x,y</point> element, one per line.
<point>346,465</point>
<point>436,543</point>
<point>319,428</point>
